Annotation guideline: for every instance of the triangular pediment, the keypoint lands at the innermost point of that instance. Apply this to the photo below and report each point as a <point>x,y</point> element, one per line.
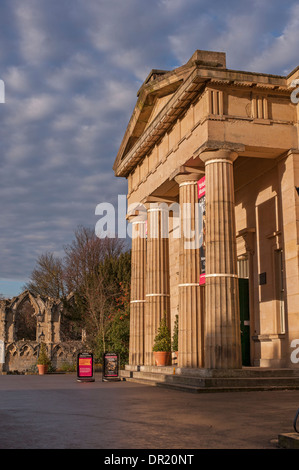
<point>158,89</point>
<point>157,107</point>
<point>153,96</point>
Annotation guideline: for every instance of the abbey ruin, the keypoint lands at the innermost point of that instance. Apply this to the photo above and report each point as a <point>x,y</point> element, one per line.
<point>28,320</point>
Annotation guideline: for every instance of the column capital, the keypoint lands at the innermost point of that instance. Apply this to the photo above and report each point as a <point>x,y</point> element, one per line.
<point>137,218</point>
<point>156,206</point>
<point>188,178</point>
<point>136,213</point>
<point>221,154</point>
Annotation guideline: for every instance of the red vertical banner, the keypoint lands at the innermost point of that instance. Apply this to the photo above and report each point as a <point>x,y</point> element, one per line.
<point>201,184</point>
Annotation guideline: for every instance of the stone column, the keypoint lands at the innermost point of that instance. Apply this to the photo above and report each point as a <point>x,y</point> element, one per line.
<point>137,303</point>
<point>222,316</point>
<point>288,171</point>
<point>157,275</point>
<point>190,293</point>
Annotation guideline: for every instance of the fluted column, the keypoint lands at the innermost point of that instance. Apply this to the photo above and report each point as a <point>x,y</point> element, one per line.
<point>137,303</point>
<point>190,293</point>
<point>157,275</point>
<point>222,317</point>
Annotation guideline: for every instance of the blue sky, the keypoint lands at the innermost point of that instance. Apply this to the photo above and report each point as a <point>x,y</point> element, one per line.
<point>71,71</point>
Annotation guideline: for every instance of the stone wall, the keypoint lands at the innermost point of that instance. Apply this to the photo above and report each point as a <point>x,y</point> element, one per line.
<point>45,318</point>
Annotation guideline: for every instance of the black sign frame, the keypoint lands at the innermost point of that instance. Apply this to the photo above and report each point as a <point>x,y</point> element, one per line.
<point>110,370</point>
<point>85,378</point>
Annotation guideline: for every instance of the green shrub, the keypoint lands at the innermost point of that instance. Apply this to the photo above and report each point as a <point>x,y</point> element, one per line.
<point>67,367</point>
<point>162,341</point>
<point>175,336</point>
<point>43,358</point>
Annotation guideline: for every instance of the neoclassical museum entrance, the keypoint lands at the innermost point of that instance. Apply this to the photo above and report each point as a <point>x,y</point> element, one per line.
<point>211,157</point>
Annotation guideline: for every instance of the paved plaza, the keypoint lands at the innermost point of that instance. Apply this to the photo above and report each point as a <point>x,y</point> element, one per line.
<point>57,412</point>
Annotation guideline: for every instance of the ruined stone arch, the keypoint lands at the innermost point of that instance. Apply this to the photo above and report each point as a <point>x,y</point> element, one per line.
<point>36,301</point>
<point>58,351</point>
<point>12,350</point>
<point>28,349</point>
<point>22,352</point>
<point>12,357</point>
<point>65,352</point>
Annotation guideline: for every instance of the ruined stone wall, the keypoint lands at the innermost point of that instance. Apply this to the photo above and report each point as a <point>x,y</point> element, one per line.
<point>20,353</point>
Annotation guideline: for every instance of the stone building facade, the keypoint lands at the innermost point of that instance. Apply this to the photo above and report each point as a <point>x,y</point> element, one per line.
<point>237,132</point>
<point>21,332</point>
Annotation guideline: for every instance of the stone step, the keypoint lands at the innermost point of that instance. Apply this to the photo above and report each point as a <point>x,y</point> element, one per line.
<point>194,389</point>
<point>217,382</point>
<point>282,379</point>
<point>289,440</point>
<point>244,372</point>
<point>230,381</point>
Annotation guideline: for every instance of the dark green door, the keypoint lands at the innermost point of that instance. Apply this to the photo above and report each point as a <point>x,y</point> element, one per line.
<point>244,320</point>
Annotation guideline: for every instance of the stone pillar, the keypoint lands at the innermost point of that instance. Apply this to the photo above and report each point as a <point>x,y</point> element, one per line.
<point>288,171</point>
<point>190,293</point>
<point>222,316</point>
<point>137,303</point>
<point>157,275</point>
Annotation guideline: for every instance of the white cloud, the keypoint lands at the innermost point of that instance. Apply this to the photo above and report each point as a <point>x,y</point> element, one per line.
<point>23,110</point>
<point>16,80</point>
<point>34,43</point>
<point>119,95</point>
<point>38,107</point>
<point>191,36</point>
<point>18,153</point>
<point>78,68</point>
<point>173,6</point>
<point>65,122</point>
<point>240,39</point>
<point>282,53</point>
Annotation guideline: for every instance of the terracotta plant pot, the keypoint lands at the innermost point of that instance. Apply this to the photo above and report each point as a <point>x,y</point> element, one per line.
<point>42,369</point>
<point>162,358</point>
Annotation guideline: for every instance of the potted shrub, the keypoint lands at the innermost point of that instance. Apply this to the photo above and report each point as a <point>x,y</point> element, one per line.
<point>43,360</point>
<point>162,344</point>
<point>175,337</point>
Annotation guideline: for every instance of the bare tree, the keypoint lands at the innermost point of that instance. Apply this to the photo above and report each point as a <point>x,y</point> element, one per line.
<point>83,276</point>
<point>90,275</point>
<point>47,277</point>
<point>82,258</point>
